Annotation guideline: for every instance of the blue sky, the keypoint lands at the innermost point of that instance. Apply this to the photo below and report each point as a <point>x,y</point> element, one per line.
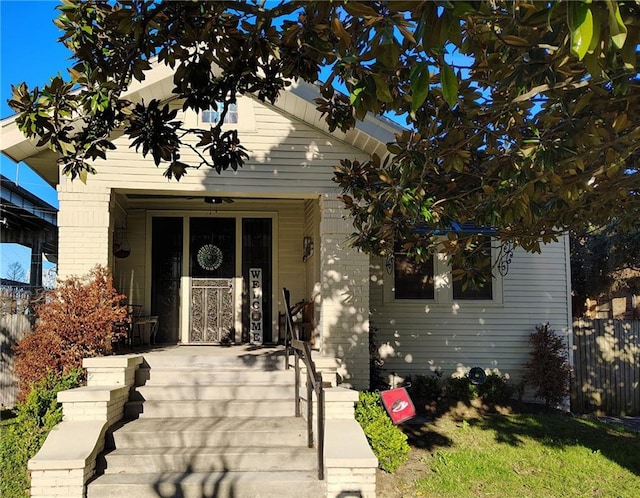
<point>29,52</point>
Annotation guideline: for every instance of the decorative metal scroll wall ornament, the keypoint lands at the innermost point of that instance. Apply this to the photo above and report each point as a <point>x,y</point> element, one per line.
<point>209,257</point>
<point>505,257</point>
<point>390,263</point>
<point>121,246</point>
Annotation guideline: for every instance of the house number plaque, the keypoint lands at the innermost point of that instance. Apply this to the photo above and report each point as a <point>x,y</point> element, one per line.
<point>256,331</point>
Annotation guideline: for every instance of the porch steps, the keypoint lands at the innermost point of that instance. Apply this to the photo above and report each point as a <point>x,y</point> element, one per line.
<point>204,425</point>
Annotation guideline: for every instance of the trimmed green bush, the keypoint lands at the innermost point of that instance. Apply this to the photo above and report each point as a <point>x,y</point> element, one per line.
<point>426,387</point>
<point>495,390</point>
<point>22,436</point>
<point>460,389</point>
<point>388,442</point>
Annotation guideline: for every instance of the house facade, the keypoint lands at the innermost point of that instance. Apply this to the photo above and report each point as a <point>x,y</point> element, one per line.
<point>211,253</point>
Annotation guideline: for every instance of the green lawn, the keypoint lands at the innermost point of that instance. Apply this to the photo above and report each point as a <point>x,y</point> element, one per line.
<point>528,455</point>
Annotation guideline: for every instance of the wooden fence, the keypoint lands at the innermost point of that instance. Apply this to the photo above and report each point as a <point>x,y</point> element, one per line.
<point>606,357</point>
<point>16,302</point>
<point>12,329</point>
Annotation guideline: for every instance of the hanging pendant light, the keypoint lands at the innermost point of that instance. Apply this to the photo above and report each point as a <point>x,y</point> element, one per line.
<point>121,246</point>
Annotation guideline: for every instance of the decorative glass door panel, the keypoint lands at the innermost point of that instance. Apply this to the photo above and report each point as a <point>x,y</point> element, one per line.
<point>212,268</point>
<point>212,310</point>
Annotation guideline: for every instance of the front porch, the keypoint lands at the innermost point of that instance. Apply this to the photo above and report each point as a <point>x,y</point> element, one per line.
<point>199,421</point>
<point>214,273</point>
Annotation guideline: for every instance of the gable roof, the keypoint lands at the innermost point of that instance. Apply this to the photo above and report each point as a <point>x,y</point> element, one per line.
<point>370,135</point>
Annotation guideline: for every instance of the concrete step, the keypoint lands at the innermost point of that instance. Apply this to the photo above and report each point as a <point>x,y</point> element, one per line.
<point>270,360</point>
<point>214,432</point>
<point>208,376</point>
<point>214,484</point>
<point>208,459</point>
<point>213,392</point>
<point>209,408</point>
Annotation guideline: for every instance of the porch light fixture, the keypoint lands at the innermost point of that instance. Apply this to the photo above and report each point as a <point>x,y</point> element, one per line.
<point>307,248</point>
<point>213,200</point>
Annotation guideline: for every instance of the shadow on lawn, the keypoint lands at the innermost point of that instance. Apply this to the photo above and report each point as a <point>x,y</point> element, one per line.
<point>513,425</point>
<point>425,438</point>
<point>563,430</point>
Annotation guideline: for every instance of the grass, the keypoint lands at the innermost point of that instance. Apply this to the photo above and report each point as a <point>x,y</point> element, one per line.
<point>516,455</point>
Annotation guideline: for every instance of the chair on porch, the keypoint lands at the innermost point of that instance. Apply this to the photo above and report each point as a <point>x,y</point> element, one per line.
<point>153,329</point>
<point>135,313</point>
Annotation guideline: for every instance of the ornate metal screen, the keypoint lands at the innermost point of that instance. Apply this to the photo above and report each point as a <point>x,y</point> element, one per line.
<point>212,310</point>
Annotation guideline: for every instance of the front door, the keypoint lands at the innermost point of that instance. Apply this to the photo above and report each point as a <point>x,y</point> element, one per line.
<point>212,270</point>
<point>212,278</point>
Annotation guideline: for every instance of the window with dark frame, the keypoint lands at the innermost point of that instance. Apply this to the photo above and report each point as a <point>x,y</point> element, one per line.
<point>413,280</point>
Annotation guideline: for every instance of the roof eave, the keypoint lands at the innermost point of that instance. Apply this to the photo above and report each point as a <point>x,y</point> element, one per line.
<point>370,135</point>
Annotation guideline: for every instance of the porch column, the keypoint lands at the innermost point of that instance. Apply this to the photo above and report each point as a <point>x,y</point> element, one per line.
<point>344,312</point>
<point>84,231</point>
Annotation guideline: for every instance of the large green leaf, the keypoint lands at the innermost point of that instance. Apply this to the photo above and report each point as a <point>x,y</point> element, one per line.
<point>449,84</point>
<point>617,28</point>
<point>581,26</point>
<point>419,78</point>
<point>383,93</point>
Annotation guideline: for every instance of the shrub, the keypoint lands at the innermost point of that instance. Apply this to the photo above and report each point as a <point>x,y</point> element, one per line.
<point>76,321</point>
<point>548,371</point>
<point>426,387</point>
<point>461,389</point>
<point>495,390</point>
<point>22,437</point>
<point>388,442</point>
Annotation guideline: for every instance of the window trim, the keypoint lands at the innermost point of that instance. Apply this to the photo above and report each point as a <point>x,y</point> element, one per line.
<point>443,286</point>
<point>233,109</point>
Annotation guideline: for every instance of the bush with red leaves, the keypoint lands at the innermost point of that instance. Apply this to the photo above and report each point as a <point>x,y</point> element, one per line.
<point>77,320</point>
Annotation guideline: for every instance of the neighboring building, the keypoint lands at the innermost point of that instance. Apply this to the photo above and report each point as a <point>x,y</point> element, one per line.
<point>191,246</point>
<point>27,220</point>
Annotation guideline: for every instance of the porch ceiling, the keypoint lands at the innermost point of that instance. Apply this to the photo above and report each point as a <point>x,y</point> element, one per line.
<point>159,200</point>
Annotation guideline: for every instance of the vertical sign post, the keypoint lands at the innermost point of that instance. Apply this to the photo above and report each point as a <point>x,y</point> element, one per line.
<point>256,332</point>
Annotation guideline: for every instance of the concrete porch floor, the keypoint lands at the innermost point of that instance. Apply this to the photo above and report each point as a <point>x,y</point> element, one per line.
<point>206,350</point>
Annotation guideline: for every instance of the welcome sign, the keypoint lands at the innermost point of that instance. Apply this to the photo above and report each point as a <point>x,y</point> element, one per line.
<point>256,330</point>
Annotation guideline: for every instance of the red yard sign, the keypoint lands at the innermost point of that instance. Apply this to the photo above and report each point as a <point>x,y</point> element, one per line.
<point>398,404</point>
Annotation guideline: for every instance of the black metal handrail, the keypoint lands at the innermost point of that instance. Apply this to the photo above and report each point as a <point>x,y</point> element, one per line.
<point>302,351</point>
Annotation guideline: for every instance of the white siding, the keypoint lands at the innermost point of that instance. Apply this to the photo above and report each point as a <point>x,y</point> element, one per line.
<point>129,273</point>
<point>419,338</point>
<point>287,158</point>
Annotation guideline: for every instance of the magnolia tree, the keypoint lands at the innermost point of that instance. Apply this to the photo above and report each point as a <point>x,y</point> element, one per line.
<point>521,116</point>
